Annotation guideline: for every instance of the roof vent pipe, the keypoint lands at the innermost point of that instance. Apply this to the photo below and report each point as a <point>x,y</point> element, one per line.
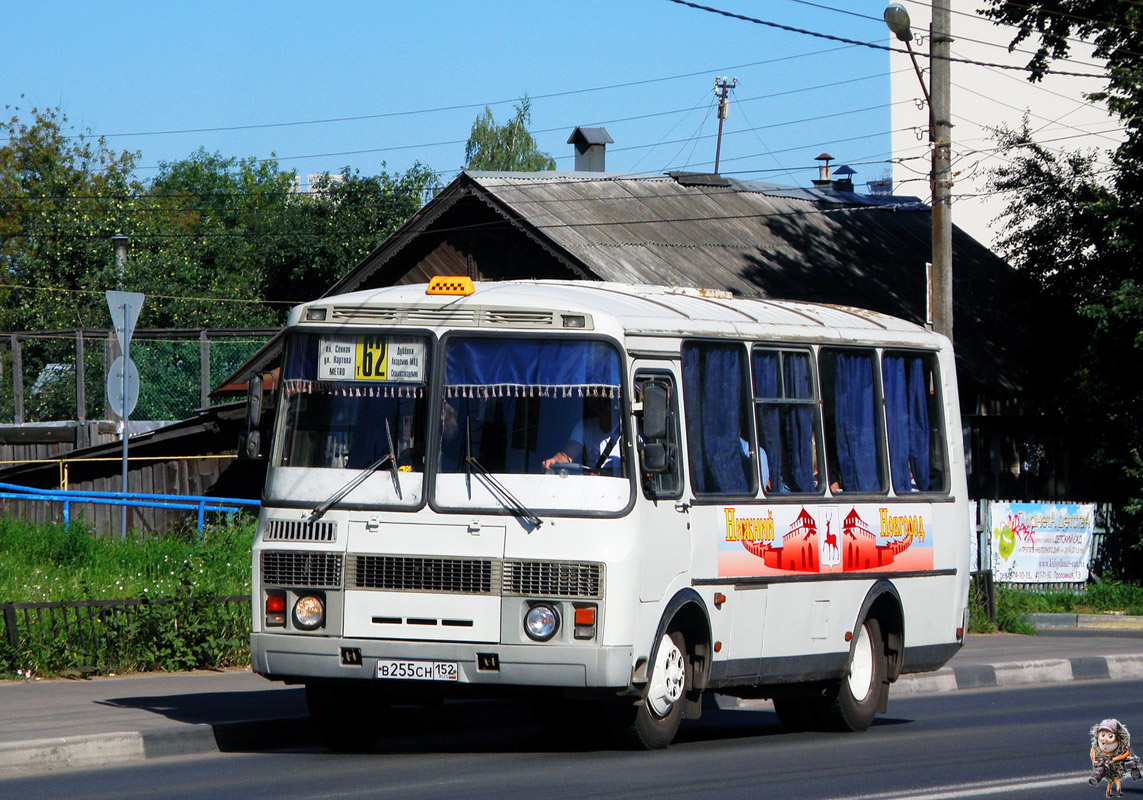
<point>823,179</point>
<point>590,148</point>
<point>843,178</point>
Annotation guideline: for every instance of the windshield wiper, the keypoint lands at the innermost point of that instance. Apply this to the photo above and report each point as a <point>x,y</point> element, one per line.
<point>506,498</point>
<point>393,461</point>
<point>391,457</point>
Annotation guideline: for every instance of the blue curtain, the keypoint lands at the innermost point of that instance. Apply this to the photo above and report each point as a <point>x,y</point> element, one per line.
<point>855,420</point>
<point>799,424</point>
<point>907,415</point>
<point>713,388</point>
<point>769,424</point>
<point>480,367</point>
<point>301,357</point>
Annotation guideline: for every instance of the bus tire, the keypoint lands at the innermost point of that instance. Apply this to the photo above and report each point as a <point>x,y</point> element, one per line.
<point>851,703</point>
<point>346,717</point>
<point>652,723</point>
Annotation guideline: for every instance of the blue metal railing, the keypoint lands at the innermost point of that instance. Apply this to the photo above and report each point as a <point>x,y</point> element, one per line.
<point>186,502</point>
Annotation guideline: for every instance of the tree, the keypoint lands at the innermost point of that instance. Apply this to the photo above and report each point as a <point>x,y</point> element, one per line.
<point>508,147</point>
<point>216,241</point>
<point>61,199</point>
<point>1081,234</point>
<point>337,224</point>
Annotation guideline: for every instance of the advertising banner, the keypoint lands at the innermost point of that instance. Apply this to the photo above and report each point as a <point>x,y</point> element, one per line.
<point>1041,542</point>
<point>792,540</point>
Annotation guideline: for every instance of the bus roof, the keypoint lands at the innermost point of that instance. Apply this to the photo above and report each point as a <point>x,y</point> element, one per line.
<point>635,309</point>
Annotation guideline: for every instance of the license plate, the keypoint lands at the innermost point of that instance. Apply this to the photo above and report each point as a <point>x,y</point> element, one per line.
<point>393,669</point>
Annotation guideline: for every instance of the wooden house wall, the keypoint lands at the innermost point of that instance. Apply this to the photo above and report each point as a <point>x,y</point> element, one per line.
<point>214,470</point>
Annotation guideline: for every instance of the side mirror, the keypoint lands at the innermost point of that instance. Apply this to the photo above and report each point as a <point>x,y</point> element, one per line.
<point>250,445</point>
<point>656,411</point>
<point>656,458</point>
<point>254,403</point>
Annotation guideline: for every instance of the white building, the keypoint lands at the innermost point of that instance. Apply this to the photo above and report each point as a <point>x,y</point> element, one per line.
<point>983,98</point>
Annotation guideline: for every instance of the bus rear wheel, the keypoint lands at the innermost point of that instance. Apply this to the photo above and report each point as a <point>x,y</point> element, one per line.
<point>851,703</point>
<point>652,723</point>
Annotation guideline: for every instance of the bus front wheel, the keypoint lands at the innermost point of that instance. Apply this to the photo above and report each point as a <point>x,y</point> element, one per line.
<point>652,723</point>
<point>851,703</point>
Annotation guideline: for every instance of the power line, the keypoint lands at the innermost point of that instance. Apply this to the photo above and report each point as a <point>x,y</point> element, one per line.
<point>458,107</point>
<point>872,45</point>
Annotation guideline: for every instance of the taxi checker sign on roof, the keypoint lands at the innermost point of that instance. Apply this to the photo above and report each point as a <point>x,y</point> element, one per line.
<point>371,358</point>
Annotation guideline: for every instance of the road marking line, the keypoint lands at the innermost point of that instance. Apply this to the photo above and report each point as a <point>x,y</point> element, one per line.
<point>981,788</point>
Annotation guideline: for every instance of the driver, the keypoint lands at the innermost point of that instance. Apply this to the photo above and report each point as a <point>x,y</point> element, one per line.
<point>594,441</point>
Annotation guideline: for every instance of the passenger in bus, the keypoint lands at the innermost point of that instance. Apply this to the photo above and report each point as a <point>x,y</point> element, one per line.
<point>763,461</point>
<point>594,441</point>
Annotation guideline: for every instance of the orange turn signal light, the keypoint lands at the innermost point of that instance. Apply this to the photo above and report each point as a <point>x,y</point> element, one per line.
<point>585,615</point>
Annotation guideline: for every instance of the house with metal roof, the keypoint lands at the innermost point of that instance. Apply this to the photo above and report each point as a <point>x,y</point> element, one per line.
<point>825,244</point>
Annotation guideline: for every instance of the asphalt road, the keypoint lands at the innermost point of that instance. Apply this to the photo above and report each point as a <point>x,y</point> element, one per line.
<point>1017,743</point>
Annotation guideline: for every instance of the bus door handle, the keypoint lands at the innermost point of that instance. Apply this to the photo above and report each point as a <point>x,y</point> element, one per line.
<point>683,508</point>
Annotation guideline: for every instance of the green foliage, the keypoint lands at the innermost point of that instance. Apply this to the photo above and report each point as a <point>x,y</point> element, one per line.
<point>215,241</point>
<point>182,624</point>
<point>1080,232</point>
<point>61,199</point>
<point>55,562</point>
<point>1014,605</point>
<point>508,147</point>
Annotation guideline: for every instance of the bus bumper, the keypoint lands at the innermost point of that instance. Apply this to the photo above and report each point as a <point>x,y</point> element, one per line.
<point>293,657</point>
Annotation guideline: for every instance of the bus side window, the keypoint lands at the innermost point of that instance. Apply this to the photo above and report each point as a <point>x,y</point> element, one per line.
<point>786,413</point>
<point>852,430</point>
<point>913,421</point>
<point>658,435</point>
<point>716,385</point>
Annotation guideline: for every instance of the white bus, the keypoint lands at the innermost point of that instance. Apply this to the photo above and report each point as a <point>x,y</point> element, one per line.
<point>584,491</point>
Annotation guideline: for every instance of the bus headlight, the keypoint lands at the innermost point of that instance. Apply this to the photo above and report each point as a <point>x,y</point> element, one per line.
<point>309,612</point>
<point>541,622</point>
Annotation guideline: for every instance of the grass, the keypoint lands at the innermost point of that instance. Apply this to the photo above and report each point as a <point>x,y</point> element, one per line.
<point>1014,605</point>
<point>52,562</point>
<point>187,628</point>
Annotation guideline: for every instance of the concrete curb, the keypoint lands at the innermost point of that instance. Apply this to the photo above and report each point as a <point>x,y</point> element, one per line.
<point>268,734</point>
<point>1087,622</point>
<point>71,751</point>
<point>122,747</point>
<point>1020,673</point>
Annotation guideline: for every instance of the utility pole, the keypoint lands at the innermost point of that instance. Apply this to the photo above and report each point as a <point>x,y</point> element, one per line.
<point>722,87</point>
<point>940,283</point>
<point>940,48</point>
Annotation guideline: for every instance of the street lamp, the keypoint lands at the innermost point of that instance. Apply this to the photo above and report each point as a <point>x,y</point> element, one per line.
<point>940,135</point>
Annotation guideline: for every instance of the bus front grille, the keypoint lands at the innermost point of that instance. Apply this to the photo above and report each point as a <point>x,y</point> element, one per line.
<point>553,579</point>
<point>424,574</point>
<point>299,530</point>
<point>301,568</point>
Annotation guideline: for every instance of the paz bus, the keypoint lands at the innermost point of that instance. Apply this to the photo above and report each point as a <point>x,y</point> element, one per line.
<point>609,499</point>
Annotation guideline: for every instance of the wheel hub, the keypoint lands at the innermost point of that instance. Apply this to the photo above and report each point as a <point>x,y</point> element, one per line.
<point>667,679</point>
<point>861,668</point>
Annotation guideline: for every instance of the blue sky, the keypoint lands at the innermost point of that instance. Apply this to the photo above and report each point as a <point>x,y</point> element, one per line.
<point>140,72</point>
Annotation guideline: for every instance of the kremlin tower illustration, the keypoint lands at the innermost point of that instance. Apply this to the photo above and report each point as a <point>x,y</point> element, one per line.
<point>801,550</point>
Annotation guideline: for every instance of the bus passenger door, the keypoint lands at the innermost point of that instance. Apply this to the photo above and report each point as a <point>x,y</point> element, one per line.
<point>664,522</point>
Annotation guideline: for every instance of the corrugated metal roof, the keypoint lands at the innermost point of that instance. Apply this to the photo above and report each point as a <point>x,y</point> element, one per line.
<point>751,238</point>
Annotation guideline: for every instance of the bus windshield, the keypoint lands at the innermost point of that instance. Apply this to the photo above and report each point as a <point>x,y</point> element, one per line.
<point>350,400</point>
<point>528,407</point>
